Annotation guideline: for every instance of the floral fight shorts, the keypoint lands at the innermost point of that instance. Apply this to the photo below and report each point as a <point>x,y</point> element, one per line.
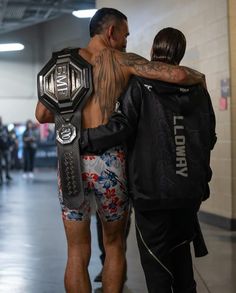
<point>104,177</point>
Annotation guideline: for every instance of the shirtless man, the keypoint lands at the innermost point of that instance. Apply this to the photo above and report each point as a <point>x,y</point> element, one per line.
<point>105,174</point>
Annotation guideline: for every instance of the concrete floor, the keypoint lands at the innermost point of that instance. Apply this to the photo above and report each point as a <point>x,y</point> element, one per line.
<point>33,247</point>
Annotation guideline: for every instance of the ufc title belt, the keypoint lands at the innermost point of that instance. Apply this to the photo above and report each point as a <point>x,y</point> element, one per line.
<point>64,86</point>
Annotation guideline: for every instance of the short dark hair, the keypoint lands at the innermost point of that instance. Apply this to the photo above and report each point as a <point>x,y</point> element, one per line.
<point>169,46</point>
<point>103,16</point>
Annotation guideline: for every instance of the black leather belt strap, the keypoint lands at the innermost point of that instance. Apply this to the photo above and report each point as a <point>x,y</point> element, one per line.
<point>64,86</point>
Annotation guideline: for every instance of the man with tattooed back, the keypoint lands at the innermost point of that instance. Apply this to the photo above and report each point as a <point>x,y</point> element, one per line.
<point>104,175</point>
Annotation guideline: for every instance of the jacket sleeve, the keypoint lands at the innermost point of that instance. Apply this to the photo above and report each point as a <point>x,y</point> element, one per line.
<point>121,125</point>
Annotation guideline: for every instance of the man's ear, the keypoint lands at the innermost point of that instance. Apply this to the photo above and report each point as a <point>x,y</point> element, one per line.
<point>110,31</point>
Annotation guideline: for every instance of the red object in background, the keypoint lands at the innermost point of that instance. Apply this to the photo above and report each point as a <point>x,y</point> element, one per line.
<point>223,104</point>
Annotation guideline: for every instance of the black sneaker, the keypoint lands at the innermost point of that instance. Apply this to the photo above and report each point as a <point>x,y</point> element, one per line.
<point>98,278</point>
<point>8,177</point>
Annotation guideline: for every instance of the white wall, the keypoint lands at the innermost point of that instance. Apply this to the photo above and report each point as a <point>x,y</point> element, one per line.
<point>18,70</point>
<point>66,31</point>
<point>17,75</point>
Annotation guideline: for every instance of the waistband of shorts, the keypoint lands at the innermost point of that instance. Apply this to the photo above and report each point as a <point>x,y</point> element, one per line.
<point>113,150</point>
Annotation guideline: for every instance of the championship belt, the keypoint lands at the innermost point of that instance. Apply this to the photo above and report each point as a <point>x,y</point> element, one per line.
<point>64,86</point>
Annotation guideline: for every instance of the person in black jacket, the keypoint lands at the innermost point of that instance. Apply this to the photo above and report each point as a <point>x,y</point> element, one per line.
<point>30,139</point>
<point>169,132</point>
<point>5,143</point>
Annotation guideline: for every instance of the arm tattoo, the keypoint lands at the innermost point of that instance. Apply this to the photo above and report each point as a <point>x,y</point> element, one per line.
<point>158,70</point>
<point>109,81</point>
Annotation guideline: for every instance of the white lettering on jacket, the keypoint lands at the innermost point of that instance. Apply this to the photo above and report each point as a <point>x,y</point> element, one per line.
<point>148,86</point>
<point>181,161</point>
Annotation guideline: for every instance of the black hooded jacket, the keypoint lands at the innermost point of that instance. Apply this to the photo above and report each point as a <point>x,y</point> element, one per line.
<point>169,132</point>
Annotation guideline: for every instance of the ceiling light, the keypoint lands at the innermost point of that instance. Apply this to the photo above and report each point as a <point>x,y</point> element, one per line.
<point>84,13</point>
<point>11,47</point>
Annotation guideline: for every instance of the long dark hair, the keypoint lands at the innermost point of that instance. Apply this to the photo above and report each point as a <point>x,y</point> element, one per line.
<point>169,46</point>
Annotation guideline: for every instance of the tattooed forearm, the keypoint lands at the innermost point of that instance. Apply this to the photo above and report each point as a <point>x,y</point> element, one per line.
<point>158,70</point>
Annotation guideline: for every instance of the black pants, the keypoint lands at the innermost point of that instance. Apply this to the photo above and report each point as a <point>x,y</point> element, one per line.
<point>164,246</point>
<point>4,155</point>
<point>29,155</point>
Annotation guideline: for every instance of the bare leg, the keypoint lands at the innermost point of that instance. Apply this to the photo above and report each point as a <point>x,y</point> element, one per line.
<point>79,252</point>
<point>115,262</point>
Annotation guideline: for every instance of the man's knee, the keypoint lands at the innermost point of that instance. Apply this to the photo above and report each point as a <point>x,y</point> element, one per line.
<point>79,243</point>
<point>115,239</point>
<point>114,234</point>
<point>78,234</point>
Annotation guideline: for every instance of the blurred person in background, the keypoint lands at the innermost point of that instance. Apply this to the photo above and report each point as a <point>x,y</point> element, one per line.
<point>14,148</point>
<point>4,151</point>
<point>30,139</point>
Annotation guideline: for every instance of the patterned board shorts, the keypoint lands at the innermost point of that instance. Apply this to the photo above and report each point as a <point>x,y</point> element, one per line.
<point>104,178</point>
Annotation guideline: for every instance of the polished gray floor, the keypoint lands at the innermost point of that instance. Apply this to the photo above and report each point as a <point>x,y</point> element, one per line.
<point>33,246</point>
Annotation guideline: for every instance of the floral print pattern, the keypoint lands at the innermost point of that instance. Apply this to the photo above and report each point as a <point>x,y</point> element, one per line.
<point>103,177</point>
